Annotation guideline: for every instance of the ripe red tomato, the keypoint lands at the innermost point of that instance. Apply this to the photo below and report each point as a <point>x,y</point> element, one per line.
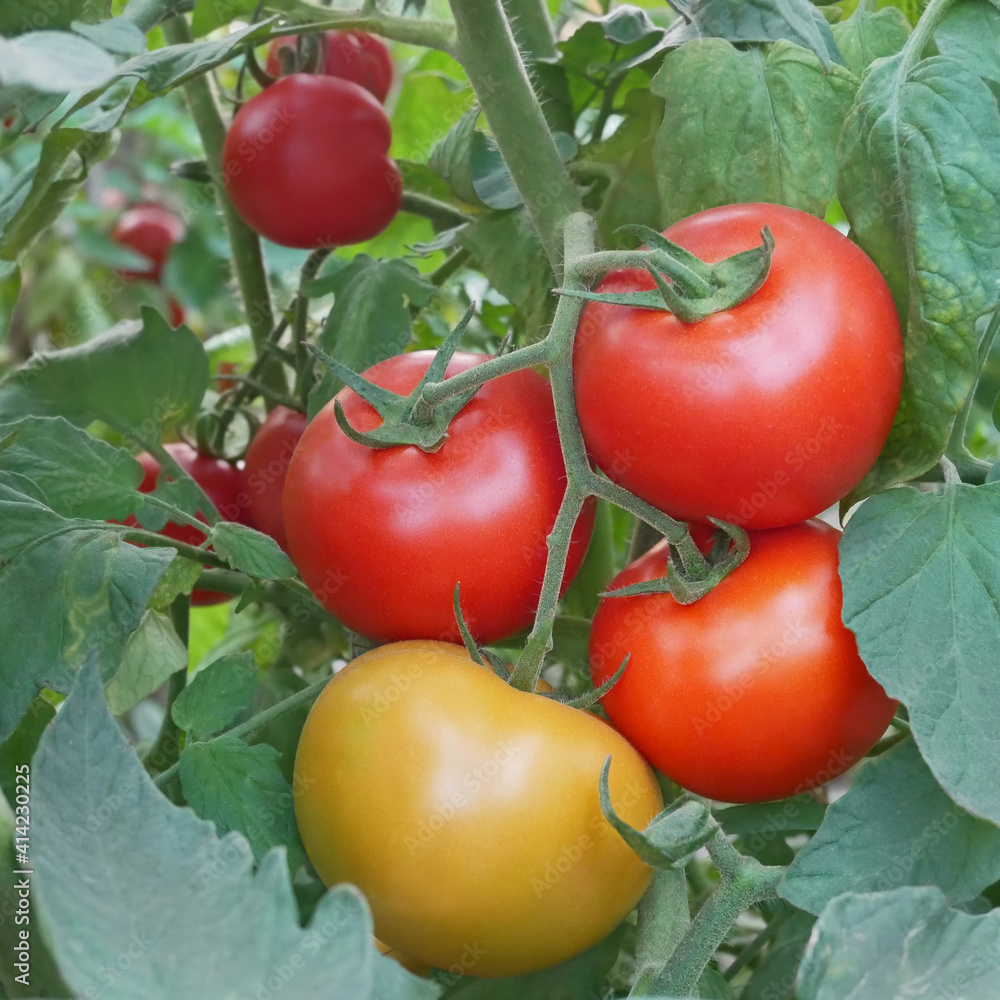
<point>756,691</point>
<point>382,536</point>
<point>151,231</point>
<point>305,163</point>
<point>764,414</point>
<point>351,55</point>
<point>176,313</point>
<point>266,467</point>
<point>223,483</point>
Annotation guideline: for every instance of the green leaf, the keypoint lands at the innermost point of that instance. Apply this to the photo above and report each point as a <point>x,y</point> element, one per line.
<point>211,14</point>
<point>774,976</point>
<point>745,126</point>
<point>10,290</point>
<point>370,319</point>
<point>869,34</point>
<point>250,551</point>
<point>578,979</point>
<point>905,943</point>
<point>920,183</point>
<point>80,475</point>
<point>19,747</point>
<point>153,652</point>
<point>508,253</point>
<point>53,62</point>
<point>118,866</point>
<point>970,35</point>
<point>181,576</point>
<point>895,826</point>
<point>79,585</point>
<point>239,787</point>
<point>743,21</point>
<point>921,579</point>
<point>763,821</point>
<point>450,157</point>
<point>17,17</point>
<point>217,694</point>
<point>137,377</point>
<point>116,35</point>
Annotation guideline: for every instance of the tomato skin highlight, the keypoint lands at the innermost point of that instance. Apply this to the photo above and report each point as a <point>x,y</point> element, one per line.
<point>765,414</point>
<point>222,482</point>
<point>266,468</point>
<point>306,163</point>
<point>381,536</point>
<point>756,691</point>
<point>467,811</point>
<point>151,231</point>
<point>350,55</point>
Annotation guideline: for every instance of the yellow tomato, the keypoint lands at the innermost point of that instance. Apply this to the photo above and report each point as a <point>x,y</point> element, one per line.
<point>467,811</point>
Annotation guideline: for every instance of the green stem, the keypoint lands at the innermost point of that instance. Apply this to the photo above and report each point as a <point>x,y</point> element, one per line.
<point>524,357</point>
<point>443,215</point>
<point>489,54</point>
<point>663,919</point>
<point>223,581</point>
<point>744,883</point>
<point>303,360</point>
<point>455,262</point>
<point>177,515</point>
<point>303,697</point>
<point>166,749</point>
<point>151,540</point>
<point>248,260</point>
<point>532,27</point>
<point>428,33</point>
<point>922,34</point>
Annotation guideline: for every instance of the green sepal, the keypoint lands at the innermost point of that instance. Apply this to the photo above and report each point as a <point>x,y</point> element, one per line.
<point>697,289</point>
<point>405,419</point>
<point>588,698</point>
<point>463,630</point>
<point>499,667</point>
<point>672,837</point>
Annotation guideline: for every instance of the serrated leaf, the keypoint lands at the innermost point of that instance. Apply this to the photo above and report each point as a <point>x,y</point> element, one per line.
<point>920,184</point>
<point>369,321</point>
<point>80,475</point>
<point>905,943</point>
<point>239,787</point>
<point>210,14</point>
<point>119,867</point>
<point>895,826</point>
<point>54,62</point>
<point>870,34</point>
<point>742,21</point>
<point>137,377</point>
<point>181,576</point>
<point>745,126</point>
<point>116,35</point>
<point>450,157</point>
<point>250,551</point>
<point>492,180</point>
<point>82,588</point>
<point>17,17</point>
<point>153,652</point>
<point>774,976</point>
<point>970,34</point>
<point>217,694</point>
<point>921,580</point>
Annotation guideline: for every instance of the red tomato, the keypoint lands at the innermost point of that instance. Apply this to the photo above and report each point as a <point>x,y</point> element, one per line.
<point>764,414</point>
<point>305,163</point>
<point>756,691</point>
<point>350,55</point>
<point>266,467</point>
<point>382,536</point>
<point>176,310</point>
<point>151,231</point>
<point>223,483</point>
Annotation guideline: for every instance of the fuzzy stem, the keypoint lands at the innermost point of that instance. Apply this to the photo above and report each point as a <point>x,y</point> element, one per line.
<point>443,215</point>
<point>532,26</point>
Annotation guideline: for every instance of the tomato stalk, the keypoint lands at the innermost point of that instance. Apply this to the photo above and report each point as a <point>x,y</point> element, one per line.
<point>532,26</point>
<point>166,748</point>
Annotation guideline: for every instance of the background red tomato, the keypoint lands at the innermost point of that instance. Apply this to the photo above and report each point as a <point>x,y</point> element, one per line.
<point>222,482</point>
<point>351,55</point>
<point>382,536</point>
<point>306,164</point>
<point>266,468</point>
<point>151,231</point>
<point>765,414</point>
<point>756,691</point>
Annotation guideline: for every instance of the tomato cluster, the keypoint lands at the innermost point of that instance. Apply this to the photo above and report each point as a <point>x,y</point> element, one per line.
<point>305,162</point>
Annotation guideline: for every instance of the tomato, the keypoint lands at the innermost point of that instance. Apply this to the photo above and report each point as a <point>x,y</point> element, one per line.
<point>381,536</point>
<point>756,691</point>
<point>150,231</point>
<point>467,812</point>
<point>222,482</point>
<point>266,467</point>
<point>764,414</point>
<point>351,55</point>
<point>305,163</point>
<point>176,313</point>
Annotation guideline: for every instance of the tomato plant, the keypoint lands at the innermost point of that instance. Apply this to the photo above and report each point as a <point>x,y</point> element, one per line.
<point>414,757</point>
<point>322,142</point>
<point>409,525</point>
<point>764,414</point>
<point>350,55</point>
<point>755,692</point>
<point>150,231</point>
<point>266,469</point>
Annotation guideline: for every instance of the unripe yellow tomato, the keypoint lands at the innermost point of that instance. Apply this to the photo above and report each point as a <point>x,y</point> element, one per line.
<point>467,812</point>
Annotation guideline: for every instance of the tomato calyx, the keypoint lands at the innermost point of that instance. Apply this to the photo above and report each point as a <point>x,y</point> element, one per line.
<point>405,419</point>
<point>696,289</point>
